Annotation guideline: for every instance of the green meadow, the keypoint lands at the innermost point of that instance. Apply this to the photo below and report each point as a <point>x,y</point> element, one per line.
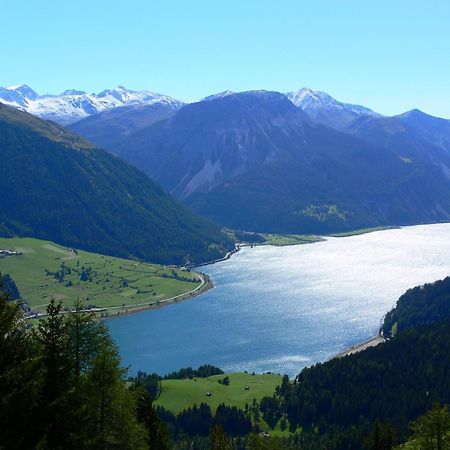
<point>45,270</point>
<point>290,239</point>
<point>178,395</point>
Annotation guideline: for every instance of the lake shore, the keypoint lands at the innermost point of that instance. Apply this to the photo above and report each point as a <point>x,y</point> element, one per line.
<point>318,294</point>
<point>120,311</point>
<point>373,342</point>
<point>207,284</point>
<point>237,247</point>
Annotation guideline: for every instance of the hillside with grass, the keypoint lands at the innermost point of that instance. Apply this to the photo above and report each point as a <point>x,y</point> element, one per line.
<point>239,391</point>
<point>43,270</point>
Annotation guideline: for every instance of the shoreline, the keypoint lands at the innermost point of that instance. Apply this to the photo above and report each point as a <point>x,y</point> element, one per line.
<point>372,342</point>
<point>236,249</point>
<point>203,287</point>
<point>207,284</point>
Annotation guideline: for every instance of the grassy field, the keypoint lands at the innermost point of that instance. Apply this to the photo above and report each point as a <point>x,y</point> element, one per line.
<point>46,270</point>
<point>180,394</point>
<point>291,239</point>
<point>362,231</point>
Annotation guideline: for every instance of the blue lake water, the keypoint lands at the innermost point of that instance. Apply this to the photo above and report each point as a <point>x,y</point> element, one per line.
<point>280,309</point>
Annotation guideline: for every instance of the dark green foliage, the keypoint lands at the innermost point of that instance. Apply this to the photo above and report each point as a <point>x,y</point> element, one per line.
<point>258,442</point>
<point>204,371</point>
<point>432,430</point>
<point>20,374</point>
<point>62,387</point>
<point>158,435</point>
<point>150,382</point>
<point>8,286</point>
<point>249,237</point>
<point>382,437</point>
<point>219,439</point>
<point>199,420</point>
<point>271,410</point>
<point>395,382</point>
<point>59,187</point>
<point>421,305</point>
<point>232,420</point>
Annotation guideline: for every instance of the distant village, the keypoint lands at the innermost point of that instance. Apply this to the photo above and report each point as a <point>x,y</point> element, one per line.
<point>5,252</point>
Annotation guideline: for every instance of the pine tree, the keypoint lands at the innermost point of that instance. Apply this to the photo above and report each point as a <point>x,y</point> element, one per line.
<point>157,433</point>
<point>219,439</point>
<point>382,437</point>
<point>111,406</point>
<point>53,340</point>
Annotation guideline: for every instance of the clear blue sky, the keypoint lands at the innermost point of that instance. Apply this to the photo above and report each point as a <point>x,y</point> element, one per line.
<point>389,55</point>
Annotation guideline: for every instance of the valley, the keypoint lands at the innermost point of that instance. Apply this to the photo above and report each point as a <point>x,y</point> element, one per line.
<point>225,225</point>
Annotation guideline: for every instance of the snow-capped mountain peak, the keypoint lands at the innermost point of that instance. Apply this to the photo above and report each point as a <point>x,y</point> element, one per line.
<point>73,105</point>
<point>73,92</point>
<point>219,95</point>
<point>24,90</point>
<point>19,95</point>
<point>325,109</point>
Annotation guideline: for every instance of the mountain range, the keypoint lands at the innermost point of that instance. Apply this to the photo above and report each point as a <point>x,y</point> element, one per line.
<point>58,186</point>
<point>73,105</point>
<point>256,161</point>
<point>290,163</point>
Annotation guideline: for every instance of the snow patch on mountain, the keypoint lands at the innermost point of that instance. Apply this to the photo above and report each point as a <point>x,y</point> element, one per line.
<point>323,108</point>
<point>310,100</point>
<point>219,95</point>
<point>73,105</point>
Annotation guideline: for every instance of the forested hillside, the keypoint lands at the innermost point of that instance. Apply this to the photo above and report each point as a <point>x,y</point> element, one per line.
<point>58,186</point>
<point>422,305</point>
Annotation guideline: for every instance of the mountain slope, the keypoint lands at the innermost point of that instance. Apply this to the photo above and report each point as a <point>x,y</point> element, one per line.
<point>255,161</point>
<point>57,186</point>
<point>414,136</point>
<point>209,142</point>
<point>324,109</point>
<point>109,127</point>
<point>72,105</point>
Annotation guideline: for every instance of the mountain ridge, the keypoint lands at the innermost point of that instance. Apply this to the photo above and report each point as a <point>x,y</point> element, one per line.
<point>325,109</point>
<point>73,105</point>
<point>255,161</point>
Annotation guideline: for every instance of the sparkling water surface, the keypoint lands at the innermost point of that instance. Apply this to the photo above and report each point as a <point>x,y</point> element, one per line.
<point>280,309</point>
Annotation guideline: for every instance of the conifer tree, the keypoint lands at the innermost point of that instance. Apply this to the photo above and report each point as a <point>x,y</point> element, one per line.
<point>219,439</point>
